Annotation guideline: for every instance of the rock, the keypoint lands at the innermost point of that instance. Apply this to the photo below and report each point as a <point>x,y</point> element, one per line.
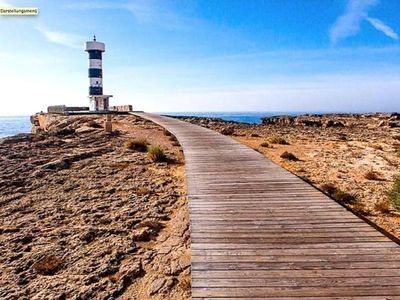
<point>227,130</point>
<point>48,265</point>
<point>332,123</point>
<point>156,286</point>
<point>279,120</point>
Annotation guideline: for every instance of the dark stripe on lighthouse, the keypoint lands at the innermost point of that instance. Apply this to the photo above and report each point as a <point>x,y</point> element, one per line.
<point>96,73</point>
<point>94,54</point>
<point>95,90</point>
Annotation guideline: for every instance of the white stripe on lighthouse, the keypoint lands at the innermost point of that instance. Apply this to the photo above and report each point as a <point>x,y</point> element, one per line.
<point>95,81</point>
<point>95,63</point>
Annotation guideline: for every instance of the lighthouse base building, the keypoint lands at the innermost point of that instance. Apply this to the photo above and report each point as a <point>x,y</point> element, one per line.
<point>99,102</point>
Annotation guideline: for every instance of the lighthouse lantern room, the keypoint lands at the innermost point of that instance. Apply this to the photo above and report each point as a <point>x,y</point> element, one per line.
<point>98,101</point>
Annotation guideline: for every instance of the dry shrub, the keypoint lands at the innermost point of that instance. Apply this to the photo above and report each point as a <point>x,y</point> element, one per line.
<point>394,194</point>
<point>156,154</point>
<point>289,156</point>
<point>372,175</point>
<point>382,206</point>
<point>254,135</point>
<point>337,194</point>
<point>265,145</point>
<point>343,197</point>
<point>328,188</point>
<point>139,144</point>
<point>278,140</point>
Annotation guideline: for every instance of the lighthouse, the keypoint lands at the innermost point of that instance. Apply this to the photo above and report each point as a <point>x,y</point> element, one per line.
<point>98,101</point>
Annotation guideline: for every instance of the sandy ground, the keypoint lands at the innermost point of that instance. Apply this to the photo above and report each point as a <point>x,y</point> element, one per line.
<point>83,217</point>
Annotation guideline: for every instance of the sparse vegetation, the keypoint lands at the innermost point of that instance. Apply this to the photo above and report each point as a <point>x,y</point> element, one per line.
<point>156,154</point>
<point>136,144</point>
<point>394,194</point>
<point>278,140</point>
<point>337,194</point>
<point>372,175</point>
<point>289,156</point>
<point>254,135</point>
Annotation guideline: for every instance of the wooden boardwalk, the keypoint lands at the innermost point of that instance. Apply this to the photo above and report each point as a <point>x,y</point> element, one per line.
<point>259,232</point>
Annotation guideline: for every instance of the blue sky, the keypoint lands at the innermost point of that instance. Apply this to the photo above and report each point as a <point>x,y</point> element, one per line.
<point>225,55</point>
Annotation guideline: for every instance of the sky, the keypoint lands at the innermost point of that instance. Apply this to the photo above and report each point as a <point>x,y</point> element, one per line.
<point>225,55</point>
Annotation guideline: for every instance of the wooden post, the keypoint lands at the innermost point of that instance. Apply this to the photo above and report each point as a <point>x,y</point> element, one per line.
<point>108,124</point>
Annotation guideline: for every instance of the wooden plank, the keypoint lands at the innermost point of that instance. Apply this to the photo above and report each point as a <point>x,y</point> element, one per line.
<point>259,232</point>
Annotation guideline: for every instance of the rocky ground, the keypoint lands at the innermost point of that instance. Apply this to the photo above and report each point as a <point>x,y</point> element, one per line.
<point>83,217</point>
<point>354,158</point>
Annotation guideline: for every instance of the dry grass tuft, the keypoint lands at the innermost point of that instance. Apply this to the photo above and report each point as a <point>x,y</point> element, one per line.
<point>289,156</point>
<point>156,154</point>
<point>278,140</point>
<point>383,206</point>
<point>136,144</point>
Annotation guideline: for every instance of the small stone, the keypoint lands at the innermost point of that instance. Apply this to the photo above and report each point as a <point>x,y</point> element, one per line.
<point>157,285</point>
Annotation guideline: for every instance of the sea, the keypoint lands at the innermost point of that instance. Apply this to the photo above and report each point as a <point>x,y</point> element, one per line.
<point>21,124</point>
<point>13,125</point>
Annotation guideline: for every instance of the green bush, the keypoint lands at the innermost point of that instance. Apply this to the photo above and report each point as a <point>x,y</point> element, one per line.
<point>156,154</point>
<point>394,194</point>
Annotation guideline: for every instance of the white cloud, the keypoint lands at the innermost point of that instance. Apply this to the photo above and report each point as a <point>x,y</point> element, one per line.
<point>5,3</point>
<point>348,24</point>
<point>379,25</point>
<point>62,38</point>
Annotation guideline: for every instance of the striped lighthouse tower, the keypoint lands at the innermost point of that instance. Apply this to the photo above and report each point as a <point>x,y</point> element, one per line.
<point>98,101</point>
